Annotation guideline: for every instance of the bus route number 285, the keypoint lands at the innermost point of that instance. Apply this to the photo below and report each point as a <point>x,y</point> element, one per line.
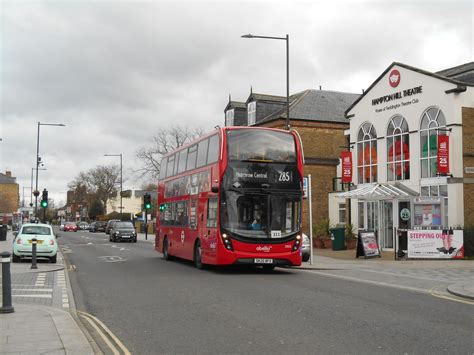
<point>285,176</point>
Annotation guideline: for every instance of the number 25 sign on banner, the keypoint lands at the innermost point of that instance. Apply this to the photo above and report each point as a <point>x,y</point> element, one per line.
<point>443,154</point>
<point>346,158</point>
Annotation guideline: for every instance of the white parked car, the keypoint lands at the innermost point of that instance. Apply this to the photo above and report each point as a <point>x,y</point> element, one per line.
<point>46,247</point>
<point>305,248</point>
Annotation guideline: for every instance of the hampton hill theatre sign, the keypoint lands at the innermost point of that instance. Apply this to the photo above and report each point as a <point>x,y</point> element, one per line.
<point>394,80</point>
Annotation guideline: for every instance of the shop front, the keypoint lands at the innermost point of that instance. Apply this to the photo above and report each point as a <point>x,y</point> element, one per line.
<point>385,209</point>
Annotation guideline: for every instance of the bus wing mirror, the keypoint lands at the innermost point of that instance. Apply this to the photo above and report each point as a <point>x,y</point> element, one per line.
<point>215,189</point>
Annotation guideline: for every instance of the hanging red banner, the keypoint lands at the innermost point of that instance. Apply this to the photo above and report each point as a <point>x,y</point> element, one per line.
<point>443,154</point>
<point>346,167</point>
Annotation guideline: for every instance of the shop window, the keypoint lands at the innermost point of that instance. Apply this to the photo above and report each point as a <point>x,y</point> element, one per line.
<point>367,154</point>
<point>372,216</point>
<point>342,213</point>
<point>398,149</point>
<point>438,191</point>
<point>361,215</point>
<point>431,121</point>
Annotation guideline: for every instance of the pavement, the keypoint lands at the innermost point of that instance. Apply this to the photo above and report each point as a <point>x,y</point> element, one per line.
<point>454,276</point>
<point>44,304</point>
<point>44,309</point>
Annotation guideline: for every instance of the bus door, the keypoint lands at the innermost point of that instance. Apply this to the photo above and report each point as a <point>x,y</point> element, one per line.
<point>210,228</point>
<point>180,217</point>
<point>192,231</point>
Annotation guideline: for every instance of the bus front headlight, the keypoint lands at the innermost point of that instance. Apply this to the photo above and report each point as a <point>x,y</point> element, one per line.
<point>227,242</point>
<point>297,243</point>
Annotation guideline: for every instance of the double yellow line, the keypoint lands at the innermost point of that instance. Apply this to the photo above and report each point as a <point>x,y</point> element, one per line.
<point>115,345</point>
<point>435,292</point>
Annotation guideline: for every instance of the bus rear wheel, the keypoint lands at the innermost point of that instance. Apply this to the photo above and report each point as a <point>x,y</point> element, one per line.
<point>198,255</point>
<point>166,254</point>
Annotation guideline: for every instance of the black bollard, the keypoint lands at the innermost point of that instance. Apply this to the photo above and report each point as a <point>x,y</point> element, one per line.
<point>6,284</point>
<point>33,253</point>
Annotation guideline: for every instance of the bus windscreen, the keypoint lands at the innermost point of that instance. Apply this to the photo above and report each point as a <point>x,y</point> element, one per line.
<point>261,146</point>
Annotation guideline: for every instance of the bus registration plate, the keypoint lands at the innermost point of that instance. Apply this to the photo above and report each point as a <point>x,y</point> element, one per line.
<point>263,261</point>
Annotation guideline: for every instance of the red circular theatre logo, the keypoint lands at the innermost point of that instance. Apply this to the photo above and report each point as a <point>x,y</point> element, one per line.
<point>394,78</point>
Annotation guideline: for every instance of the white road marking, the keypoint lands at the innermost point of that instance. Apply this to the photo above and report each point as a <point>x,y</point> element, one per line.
<point>33,289</point>
<point>112,258</point>
<point>34,296</point>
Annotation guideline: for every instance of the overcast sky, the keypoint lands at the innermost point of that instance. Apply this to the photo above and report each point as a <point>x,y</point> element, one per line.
<point>115,72</point>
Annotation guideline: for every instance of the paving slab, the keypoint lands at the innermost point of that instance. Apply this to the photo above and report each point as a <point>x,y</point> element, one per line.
<point>54,331</point>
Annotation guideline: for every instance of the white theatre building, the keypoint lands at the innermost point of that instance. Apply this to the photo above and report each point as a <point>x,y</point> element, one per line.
<point>394,131</point>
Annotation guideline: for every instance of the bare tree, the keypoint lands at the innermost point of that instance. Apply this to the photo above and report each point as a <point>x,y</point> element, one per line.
<point>163,142</point>
<point>102,181</point>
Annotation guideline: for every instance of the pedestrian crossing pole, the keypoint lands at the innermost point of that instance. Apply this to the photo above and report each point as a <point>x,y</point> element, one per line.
<point>146,225</point>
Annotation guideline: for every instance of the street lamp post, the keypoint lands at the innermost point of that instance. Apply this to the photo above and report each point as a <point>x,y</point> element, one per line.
<point>31,196</point>
<point>287,39</point>
<point>38,158</point>
<point>118,155</point>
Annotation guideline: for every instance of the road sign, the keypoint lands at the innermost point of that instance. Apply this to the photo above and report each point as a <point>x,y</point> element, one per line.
<point>305,187</point>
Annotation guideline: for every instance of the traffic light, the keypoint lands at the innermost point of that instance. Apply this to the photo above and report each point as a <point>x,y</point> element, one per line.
<point>147,202</point>
<point>44,199</point>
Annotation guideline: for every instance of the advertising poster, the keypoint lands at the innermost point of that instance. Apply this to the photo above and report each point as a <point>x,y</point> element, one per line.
<point>428,215</point>
<point>443,154</point>
<point>369,244</point>
<point>436,244</point>
<point>346,158</point>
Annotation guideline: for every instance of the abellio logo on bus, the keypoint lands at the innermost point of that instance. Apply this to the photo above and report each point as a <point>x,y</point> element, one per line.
<point>394,78</point>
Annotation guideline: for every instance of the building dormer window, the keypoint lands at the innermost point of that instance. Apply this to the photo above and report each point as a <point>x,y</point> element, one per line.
<point>229,118</point>
<point>252,112</point>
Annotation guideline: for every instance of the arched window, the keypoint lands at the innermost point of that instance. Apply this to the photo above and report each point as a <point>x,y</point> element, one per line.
<point>367,154</point>
<point>398,149</point>
<point>431,120</point>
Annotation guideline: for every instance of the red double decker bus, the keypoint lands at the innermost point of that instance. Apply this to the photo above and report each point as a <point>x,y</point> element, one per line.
<point>233,197</point>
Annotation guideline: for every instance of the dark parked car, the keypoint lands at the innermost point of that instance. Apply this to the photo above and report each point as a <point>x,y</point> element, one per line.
<point>97,226</point>
<point>123,231</point>
<point>110,224</point>
<point>82,225</point>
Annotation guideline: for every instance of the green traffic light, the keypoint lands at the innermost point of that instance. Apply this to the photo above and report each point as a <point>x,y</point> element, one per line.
<point>44,204</point>
<point>148,206</point>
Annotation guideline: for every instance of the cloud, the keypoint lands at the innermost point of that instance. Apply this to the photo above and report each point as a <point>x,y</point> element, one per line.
<point>116,72</point>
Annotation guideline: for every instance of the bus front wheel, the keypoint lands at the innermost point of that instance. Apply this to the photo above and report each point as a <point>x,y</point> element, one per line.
<point>198,255</point>
<point>166,254</point>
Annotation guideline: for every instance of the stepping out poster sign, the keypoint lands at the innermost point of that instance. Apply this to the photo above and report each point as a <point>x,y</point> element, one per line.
<point>367,245</point>
<point>436,244</point>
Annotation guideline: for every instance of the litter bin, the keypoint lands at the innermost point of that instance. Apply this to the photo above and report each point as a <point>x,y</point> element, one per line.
<point>3,232</point>
<point>338,240</point>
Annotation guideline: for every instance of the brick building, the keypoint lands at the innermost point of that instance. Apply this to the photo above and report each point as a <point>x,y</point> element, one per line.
<point>9,196</point>
<point>318,116</point>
